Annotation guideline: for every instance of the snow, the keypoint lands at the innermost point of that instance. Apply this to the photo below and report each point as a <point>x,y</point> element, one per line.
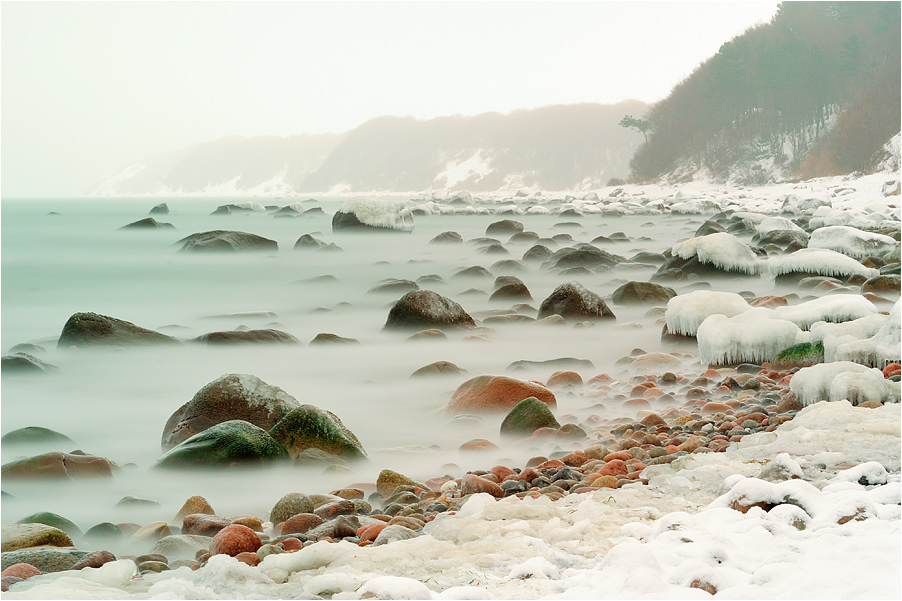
<point>776,224</point>
<point>722,250</point>
<point>841,380</point>
<point>873,340</point>
<point>473,168</point>
<point>379,212</point>
<point>686,312</point>
<point>851,241</point>
<point>753,336</point>
<point>819,261</point>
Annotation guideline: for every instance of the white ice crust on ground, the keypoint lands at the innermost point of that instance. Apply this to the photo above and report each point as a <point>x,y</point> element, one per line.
<point>819,261</point>
<point>872,340</point>
<point>722,250</point>
<point>837,308</point>
<point>379,212</point>
<point>753,336</point>
<point>851,241</point>
<point>841,380</point>
<point>686,312</point>
<point>638,541</point>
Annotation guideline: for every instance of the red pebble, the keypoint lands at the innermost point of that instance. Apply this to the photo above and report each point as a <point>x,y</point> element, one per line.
<point>299,523</point>
<point>574,458</point>
<point>250,559</point>
<point>601,378</point>
<point>613,467</point>
<point>21,570</point>
<point>369,533</point>
<point>622,455</point>
<point>891,369</point>
<point>529,474</point>
<point>553,464</point>
<point>290,544</point>
<point>636,404</point>
<point>472,484</point>
<point>234,539</point>
<point>502,472</point>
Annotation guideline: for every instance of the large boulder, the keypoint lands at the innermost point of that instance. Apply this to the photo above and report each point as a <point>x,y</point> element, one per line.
<point>573,300</point>
<point>92,329</point>
<point>527,416</point>
<point>633,293</point>
<point>45,559</point>
<point>373,214</point>
<point>55,465</point>
<point>584,255</point>
<point>311,427</point>
<point>226,241</point>
<point>21,536</point>
<point>426,309</point>
<point>505,226</point>
<point>234,442</point>
<point>37,436</point>
<point>484,394</point>
<point>148,223</point>
<point>248,337</point>
<point>23,363</point>
<point>231,397</point>
<point>54,520</point>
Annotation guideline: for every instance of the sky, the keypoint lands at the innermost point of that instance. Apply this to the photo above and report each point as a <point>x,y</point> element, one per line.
<point>88,88</point>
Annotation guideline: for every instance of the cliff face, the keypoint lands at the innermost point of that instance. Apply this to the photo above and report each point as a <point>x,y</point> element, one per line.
<point>554,147</point>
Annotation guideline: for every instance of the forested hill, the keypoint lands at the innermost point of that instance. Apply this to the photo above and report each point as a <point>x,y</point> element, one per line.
<point>814,92</point>
<point>562,147</point>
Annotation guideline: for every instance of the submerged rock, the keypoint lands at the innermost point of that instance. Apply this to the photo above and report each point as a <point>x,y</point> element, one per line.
<point>54,520</point>
<point>527,416</point>
<point>427,309</point>
<point>224,444</point>
<point>92,329</point>
<point>32,435</point>
<point>160,209</point>
<point>311,427</point>
<point>439,368</point>
<point>373,214</point>
<point>573,300</point>
<point>231,397</point>
<point>46,560</point>
<point>484,394</point>
<point>226,241</point>
<point>325,338</point>
<point>23,363</point>
<point>513,291</point>
<point>584,255</point>
<point>20,536</point>
<point>642,293</point>
<point>248,337</point>
<point>58,466</point>
<point>148,223</point>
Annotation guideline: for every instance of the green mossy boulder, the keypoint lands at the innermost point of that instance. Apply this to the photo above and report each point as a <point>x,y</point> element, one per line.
<point>228,443</point>
<point>309,427</point>
<point>526,417</point>
<point>799,355</point>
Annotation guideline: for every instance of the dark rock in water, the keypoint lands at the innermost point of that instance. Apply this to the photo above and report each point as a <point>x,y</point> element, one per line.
<point>23,363</point>
<point>318,457</point>
<point>314,211</point>
<point>46,560</point>
<point>748,368</point>
<point>160,209</point>
<point>787,240</point>
<point>709,227</point>
<point>308,242</point>
<point>494,249</point>
<point>148,223</point>
<point>447,238</point>
<point>523,238</point>
<point>510,292</point>
<point>231,397</point>
<point>484,241</point>
<point>331,248</point>
<point>392,285</point>
<point>103,533</point>
<point>427,309</point>
<point>226,241</point>
<point>669,337</point>
<point>573,301</point>
<point>55,520</point>
<point>677,268</point>
<point>538,252</point>
<point>27,347</point>
<point>290,505</point>
<point>203,524</point>
<point>584,255</point>
<point>799,355</point>
<point>890,269</point>
<point>633,293</point>
<point>882,283</point>
<point>130,501</point>
<point>431,334</point>
<point>473,272</point>
<point>324,338</point>
<point>24,535</point>
<point>509,266</point>
<point>504,280</point>
<point>311,427</point>
<point>503,227</point>
<point>231,442</point>
<point>94,560</point>
<point>560,362</point>
<point>57,465</point>
<point>526,417</point>
<point>431,278</point>
<point>92,329</point>
<point>439,368</point>
<point>647,257</point>
<point>248,337</point>
<point>484,394</point>
<point>286,212</point>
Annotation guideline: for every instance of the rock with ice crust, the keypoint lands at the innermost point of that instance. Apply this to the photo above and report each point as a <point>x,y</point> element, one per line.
<point>851,241</point>
<point>373,214</point>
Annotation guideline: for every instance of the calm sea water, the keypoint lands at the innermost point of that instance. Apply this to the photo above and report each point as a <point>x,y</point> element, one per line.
<point>114,403</point>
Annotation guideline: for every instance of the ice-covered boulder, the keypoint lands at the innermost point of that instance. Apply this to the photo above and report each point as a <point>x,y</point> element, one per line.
<point>721,250</point>
<point>686,312</point>
<point>836,308</point>
<point>851,241</point>
<point>873,340</point>
<point>817,261</point>
<point>842,380</point>
<point>374,214</point>
<point>753,336</point>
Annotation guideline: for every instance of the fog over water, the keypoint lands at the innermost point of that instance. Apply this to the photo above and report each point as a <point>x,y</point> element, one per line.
<point>115,402</point>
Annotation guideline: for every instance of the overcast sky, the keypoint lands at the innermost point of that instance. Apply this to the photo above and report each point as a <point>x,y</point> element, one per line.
<point>88,88</point>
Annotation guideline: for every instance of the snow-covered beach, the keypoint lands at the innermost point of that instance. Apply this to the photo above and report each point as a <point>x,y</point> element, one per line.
<point>793,496</point>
